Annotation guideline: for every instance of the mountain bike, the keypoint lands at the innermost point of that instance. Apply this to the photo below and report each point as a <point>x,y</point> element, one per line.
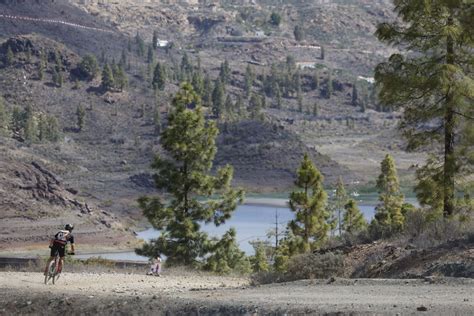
<point>53,271</point>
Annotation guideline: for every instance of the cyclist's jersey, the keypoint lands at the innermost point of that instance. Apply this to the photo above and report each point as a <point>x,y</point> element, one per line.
<point>62,237</point>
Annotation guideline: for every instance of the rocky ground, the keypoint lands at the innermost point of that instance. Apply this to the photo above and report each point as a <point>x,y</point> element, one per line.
<point>200,294</point>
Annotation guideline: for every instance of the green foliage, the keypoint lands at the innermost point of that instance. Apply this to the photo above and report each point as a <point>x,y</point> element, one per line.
<point>248,81</point>
<point>329,87</point>
<point>275,19</point>
<point>9,57</point>
<point>154,41</point>
<point>298,33</point>
<point>80,116</point>
<point>120,78</point>
<point>89,67</point>
<point>224,72</point>
<point>157,120</point>
<point>218,98</point>
<point>226,256</point>
<point>315,83</point>
<point>309,205</point>
<point>108,81</point>
<point>354,220</point>
<point>278,100</point>
<point>159,77</point>
<point>150,55</point>
<point>186,68</point>
<point>140,45</point>
<point>255,107</point>
<point>57,78</point>
<point>259,261</point>
<point>207,92</point>
<point>434,83</point>
<point>355,95</point>
<point>388,213</point>
<point>189,142</point>
<point>340,201</point>
<point>4,118</point>
<point>48,129</point>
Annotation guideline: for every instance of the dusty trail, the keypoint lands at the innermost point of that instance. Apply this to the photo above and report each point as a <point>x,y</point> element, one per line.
<point>109,293</point>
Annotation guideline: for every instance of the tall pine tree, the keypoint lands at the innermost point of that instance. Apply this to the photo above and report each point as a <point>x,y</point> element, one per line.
<point>308,203</point>
<point>189,142</point>
<point>434,83</point>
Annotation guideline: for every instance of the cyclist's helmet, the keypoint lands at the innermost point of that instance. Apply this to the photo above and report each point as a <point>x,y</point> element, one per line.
<point>69,227</point>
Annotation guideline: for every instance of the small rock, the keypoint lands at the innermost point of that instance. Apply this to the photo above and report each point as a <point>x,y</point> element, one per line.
<point>28,303</point>
<point>421,308</point>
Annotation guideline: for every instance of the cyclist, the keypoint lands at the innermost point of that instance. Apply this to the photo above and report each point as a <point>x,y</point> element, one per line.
<point>58,244</point>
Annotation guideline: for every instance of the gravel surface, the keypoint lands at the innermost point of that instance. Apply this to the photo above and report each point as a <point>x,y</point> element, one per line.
<point>203,294</point>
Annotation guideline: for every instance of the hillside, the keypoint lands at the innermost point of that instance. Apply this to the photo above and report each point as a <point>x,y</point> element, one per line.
<point>107,163</point>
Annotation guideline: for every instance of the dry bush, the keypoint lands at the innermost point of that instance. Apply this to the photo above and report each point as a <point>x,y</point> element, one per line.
<point>305,266</point>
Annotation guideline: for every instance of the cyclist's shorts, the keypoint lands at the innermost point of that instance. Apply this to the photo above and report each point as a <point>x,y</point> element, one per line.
<point>58,248</point>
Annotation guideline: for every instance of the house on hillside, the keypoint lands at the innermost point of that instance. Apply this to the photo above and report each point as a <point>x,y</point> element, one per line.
<point>162,43</point>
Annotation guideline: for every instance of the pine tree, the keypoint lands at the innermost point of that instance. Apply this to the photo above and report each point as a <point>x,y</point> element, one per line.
<point>228,107</point>
<point>52,124</point>
<point>123,59</point>
<point>41,67</point>
<point>248,81</point>
<point>341,199</point>
<point>354,220</point>
<point>154,41</point>
<point>31,129</point>
<point>389,211</point>
<point>355,95</point>
<point>57,78</point>
<point>4,118</point>
<point>329,88</point>
<point>224,73</point>
<point>121,80</point>
<point>189,142</point>
<point>298,33</point>
<point>315,80</point>
<point>226,255</point>
<point>89,67</point>
<point>198,82</point>
<point>186,68</point>
<point>275,19</point>
<point>159,77</point>
<point>18,120</point>
<point>315,109</point>
<point>218,98</point>
<point>28,54</point>
<point>108,81</point>
<point>433,83</point>
<point>309,205</point>
<point>140,45</point>
<point>278,97</point>
<point>255,107</point>
<point>80,115</point>
<point>259,261</point>
<point>9,57</point>
<point>207,92</point>
<point>59,61</point>
<point>150,55</point>
<point>157,120</point>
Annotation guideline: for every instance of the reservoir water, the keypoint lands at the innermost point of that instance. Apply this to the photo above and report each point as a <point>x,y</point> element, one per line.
<point>251,221</point>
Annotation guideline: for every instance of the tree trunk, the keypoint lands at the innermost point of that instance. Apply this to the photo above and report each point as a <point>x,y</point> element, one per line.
<point>449,124</point>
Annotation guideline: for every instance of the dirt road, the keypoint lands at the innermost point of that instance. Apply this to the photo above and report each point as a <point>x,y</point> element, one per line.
<point>201,294</point>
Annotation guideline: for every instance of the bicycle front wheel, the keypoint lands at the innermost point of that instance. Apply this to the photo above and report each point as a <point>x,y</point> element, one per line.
<point>50,272</point>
